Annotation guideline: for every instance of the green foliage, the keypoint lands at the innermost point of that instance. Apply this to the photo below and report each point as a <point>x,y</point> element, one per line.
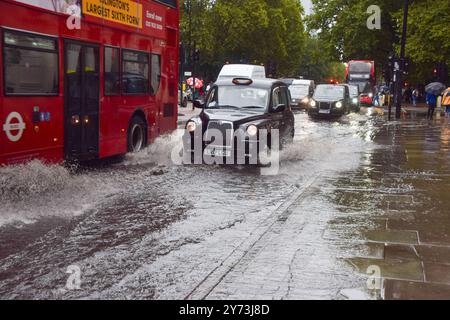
<point>276,32</point>
<point>341,27</point>
<point>251,31</point>
<point>428,36</point>
<point>318,65</point>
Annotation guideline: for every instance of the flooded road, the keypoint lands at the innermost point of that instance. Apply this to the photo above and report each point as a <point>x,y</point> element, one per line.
<point>352,195</point>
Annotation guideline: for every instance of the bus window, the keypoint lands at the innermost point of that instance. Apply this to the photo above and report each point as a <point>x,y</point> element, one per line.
<point>31,64</point>
<point>156,73</point>
<point>112,69</point>
<point>135,72</point>
<point>170,3</point>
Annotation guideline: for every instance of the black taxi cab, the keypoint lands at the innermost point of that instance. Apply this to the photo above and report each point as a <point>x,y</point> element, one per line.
<point>240,111</point>
<point>330,100</point>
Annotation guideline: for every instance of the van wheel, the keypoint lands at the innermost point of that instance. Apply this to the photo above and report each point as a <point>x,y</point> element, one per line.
<point>136,135</point>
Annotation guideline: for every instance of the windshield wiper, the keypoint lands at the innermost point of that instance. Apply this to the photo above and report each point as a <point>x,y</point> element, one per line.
<point>223,107</point>
<point>252,107</point>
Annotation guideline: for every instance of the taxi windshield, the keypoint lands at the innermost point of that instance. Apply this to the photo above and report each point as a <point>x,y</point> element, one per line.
<point>239,97</point>
<point>329,92</point>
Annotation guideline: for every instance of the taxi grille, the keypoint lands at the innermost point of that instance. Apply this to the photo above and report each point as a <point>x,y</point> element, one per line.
<point>325,105</point>
<point>224,127</point>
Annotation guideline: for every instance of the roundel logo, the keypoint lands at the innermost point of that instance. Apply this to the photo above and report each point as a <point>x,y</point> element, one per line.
<point>14,126</point>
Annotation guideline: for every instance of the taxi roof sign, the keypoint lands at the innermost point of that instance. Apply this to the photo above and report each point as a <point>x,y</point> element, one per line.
<point>242,81</point>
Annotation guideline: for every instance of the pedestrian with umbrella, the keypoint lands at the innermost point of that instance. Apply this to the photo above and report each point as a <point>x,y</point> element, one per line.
<point>433,90</point>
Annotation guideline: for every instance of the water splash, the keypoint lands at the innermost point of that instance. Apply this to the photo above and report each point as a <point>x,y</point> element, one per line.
<point>34,190</point>
<point>31,180</point>
<point>159,152</point>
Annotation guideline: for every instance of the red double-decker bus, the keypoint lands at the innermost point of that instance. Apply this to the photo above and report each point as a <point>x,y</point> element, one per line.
<point>362,74</point>
<point>86,79</point>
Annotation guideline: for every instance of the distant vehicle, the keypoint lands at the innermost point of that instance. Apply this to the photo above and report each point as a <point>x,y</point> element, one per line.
<point>231,71</point>
<point>354,97</point>
<point>240,105</point>
<point>301,92</point>
<point>330,100</point>
<point>362,74</point>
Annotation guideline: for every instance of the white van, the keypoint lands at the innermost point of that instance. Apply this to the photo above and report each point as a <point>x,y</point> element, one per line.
<point>242,70</point>
<point>303,82</point>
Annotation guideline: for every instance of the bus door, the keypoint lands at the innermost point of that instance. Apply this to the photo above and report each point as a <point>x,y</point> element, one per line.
<point>81,100</point>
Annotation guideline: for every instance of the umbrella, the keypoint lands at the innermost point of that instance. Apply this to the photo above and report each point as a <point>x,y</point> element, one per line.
<point>198,82</point>
<point>446,98</point>
<point>435,88</point>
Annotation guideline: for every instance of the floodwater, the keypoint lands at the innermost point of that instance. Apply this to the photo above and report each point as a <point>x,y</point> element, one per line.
<point>350,194</point>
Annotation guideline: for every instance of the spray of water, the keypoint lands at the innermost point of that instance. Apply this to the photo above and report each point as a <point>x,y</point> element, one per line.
<point>35,189</point>
<point>159,152</point>
<point>31,180</point>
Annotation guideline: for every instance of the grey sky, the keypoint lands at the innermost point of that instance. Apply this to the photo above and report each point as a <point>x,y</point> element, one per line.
<point>307,5</point>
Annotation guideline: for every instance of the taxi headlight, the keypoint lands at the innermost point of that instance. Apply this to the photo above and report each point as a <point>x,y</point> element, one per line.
<point>313,103</point>
<point>191,126</point>
<point>252,130</point>
<point>339,105</point>
<point>305,100</point>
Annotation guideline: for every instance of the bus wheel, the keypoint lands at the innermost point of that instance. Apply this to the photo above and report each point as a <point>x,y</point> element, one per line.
<point>136,135</point>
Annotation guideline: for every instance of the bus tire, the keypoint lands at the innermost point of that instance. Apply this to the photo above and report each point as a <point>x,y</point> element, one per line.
<point>136,137</point>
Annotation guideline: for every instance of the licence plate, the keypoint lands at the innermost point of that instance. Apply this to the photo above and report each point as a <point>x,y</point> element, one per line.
<point>217,152</point>
<point>325,111</point>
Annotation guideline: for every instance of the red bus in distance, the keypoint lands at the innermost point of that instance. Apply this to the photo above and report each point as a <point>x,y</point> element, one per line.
<point>86,79</point>
<point>362,74</point>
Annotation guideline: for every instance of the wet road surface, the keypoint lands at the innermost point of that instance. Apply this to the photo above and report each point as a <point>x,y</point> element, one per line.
<point>352,196</point>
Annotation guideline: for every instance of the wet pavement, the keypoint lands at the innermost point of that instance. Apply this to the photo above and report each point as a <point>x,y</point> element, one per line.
<point>359,210</point>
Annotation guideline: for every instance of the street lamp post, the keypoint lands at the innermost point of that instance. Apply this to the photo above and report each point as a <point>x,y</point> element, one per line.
<point>401,69</point>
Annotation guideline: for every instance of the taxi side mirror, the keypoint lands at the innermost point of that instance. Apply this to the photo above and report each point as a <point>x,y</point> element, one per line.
<point>279,108</point>
<point>199,104</point>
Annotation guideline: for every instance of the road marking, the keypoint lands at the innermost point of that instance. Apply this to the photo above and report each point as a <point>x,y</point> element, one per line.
<point>215,277</point>
<point>8,127</point>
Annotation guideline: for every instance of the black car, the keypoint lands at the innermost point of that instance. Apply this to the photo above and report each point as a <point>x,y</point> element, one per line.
<point>330,101</point>
<point>245,113</point>
<point>301,91</point>
<point>354,97</point>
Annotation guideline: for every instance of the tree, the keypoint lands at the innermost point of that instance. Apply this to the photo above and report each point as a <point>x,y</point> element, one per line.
<point>428,37</point>
<point>317,65</point>
<point>269,32</point>
<point>341,28</point>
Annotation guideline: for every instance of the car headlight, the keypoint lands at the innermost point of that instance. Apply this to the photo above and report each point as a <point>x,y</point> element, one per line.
<point>355,100</point>
<point>339,105</point>
<point>305,100</point>
<point>191,126</point>
<point>313,103</point>
<point>252,130</point>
